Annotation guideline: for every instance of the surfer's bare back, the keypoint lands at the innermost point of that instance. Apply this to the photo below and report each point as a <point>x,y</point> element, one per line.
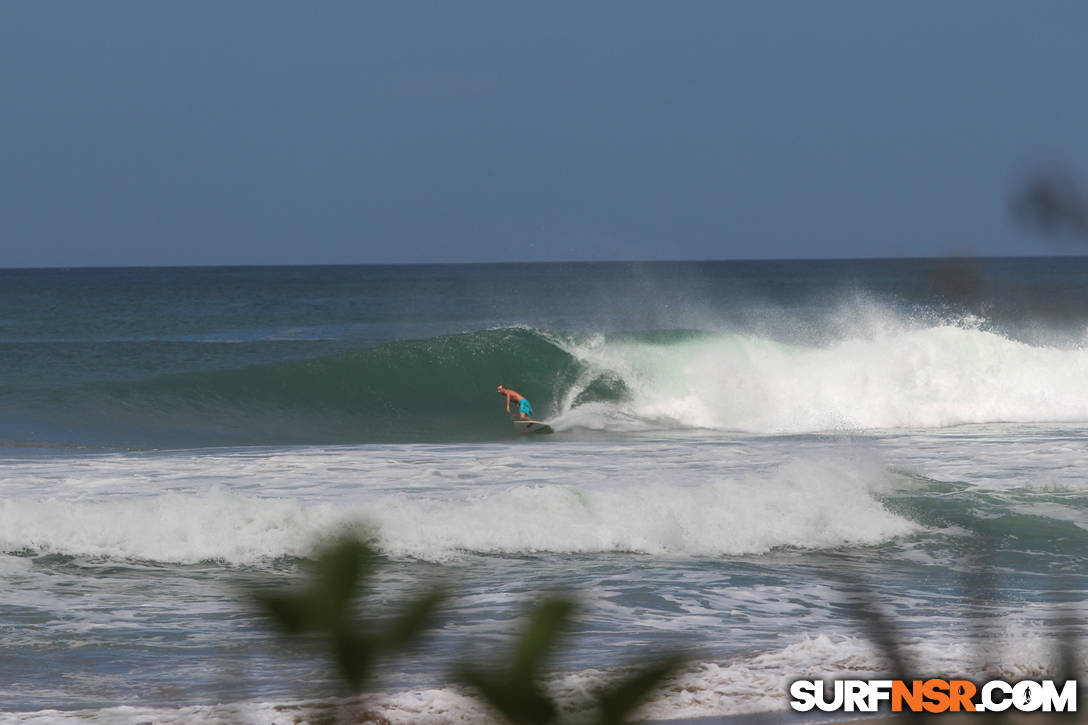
<point>525,410</point>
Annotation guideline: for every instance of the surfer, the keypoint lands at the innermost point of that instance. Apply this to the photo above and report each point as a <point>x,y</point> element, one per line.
<point>524,409</point>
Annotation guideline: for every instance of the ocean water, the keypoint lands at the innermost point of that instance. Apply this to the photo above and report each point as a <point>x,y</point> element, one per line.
<point>747,456</point>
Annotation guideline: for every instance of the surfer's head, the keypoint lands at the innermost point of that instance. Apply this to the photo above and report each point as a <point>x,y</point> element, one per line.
<point>501,388</point>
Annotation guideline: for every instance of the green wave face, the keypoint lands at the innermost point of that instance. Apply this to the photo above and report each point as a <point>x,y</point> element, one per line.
<point>443,388</point>
<point>437,389</point>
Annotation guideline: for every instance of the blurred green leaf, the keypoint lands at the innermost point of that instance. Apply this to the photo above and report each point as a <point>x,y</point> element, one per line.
<point>621,699</point>
<point>325,608</point>
<point>407,626</point>
<point>518,701</point>
<point>291,613</point>
<point>514,689</point>
<point>546,625</point>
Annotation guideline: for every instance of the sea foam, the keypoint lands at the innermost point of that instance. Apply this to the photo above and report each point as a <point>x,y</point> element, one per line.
<point>900,376</point>
<point>804,503</point>
<point>747,684</point>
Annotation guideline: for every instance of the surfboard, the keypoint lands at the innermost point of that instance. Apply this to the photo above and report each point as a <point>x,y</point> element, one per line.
<point>532,426</point>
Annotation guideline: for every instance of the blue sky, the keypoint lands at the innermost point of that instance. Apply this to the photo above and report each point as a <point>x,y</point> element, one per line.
<point>148,133</point>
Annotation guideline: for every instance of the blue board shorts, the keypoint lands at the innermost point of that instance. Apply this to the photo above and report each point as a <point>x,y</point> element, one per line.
<point>524,407</point>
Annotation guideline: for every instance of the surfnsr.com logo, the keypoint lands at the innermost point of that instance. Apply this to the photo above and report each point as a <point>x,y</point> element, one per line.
<point>934,695</point>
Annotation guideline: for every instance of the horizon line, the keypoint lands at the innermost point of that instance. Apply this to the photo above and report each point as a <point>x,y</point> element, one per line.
<point>242,265</point>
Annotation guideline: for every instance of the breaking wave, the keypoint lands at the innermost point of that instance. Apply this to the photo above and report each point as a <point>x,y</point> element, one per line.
<point>442,388</point>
